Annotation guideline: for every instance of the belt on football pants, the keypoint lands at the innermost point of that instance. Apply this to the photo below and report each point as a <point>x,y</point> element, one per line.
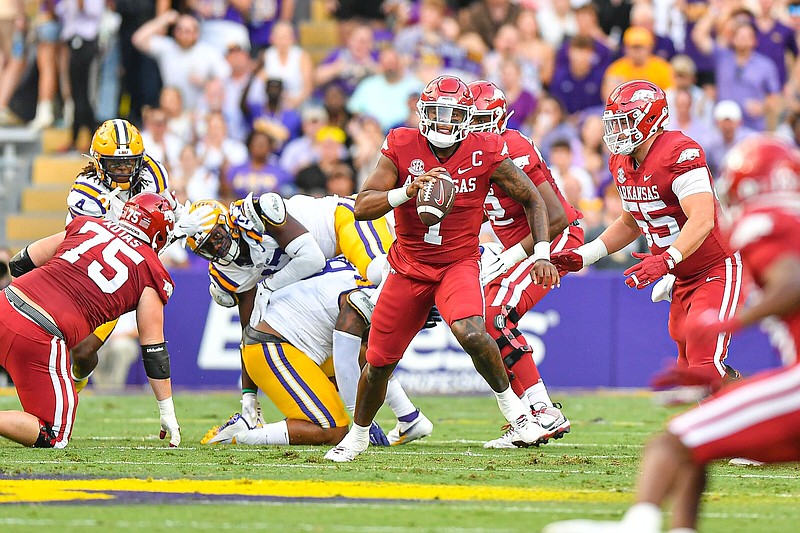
<point>33,314</point>
<point>253,336</point>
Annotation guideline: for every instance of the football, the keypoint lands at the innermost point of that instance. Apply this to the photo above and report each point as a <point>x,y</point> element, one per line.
<point>436,199</point>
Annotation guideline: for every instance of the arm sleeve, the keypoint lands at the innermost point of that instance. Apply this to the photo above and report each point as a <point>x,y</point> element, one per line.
<point>692,182</point>
<point>307,259</point>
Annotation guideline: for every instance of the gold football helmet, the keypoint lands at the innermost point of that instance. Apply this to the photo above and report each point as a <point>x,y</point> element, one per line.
<point>118,154</point>
<point>214,237</point>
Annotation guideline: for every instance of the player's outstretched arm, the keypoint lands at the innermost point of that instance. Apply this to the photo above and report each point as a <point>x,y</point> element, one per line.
<point>150,322</point>
<point>35,254</point>
<point>306,255</point>
<point>520,189</point>
<point>378,195</point>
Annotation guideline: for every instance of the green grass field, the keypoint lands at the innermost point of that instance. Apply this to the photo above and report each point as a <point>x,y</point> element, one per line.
<point>447,482</point>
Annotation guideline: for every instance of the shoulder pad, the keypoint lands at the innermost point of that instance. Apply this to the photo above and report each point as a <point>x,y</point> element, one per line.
<point>158,178</point>
<point>85,201</point>
<point>273,208</point>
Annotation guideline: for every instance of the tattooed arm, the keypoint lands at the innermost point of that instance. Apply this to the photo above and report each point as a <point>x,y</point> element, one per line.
<point>520,188</point>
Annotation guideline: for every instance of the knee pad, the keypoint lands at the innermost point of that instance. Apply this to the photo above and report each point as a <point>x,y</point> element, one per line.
<point>361,302</point>
<point>46,438</point>
<point>506,323</point>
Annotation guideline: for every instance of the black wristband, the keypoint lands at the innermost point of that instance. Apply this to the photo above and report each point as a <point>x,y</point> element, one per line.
<point>21,263</point>
<point>156,361</point>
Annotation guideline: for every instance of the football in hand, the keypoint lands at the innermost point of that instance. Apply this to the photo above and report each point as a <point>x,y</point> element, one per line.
<point>436,199</point>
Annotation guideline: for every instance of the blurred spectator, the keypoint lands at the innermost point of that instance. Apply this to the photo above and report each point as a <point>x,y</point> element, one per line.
<point>638,63</point>
<point>521,102</point>
<point>340,181</point>
<point>110,62</point>
<point>742,74</point>
<point>237,54</point>
<point>775,38</point>
<point>259,174</point>
<point>614,16</point>
<point>550,125</point>
<point>485,17</point>
<point>594,153</point>
<point>159,143</point>
<point>556,20</point>
<point>261,15</point>
<point>534,48</point>
<point>299,153</point>
<point>271,108</point>
<point>576,183</point>
<point>179,121</point>
<point>576,83</point>
<point>13,28</point>
<point>642,16</point>
<point>367,141</point>
<point>286,61</point>
<point>412,121</point>
<point>219,21</point>
<point>682,118</point>
<point>426,46</point>
<point>313,179</point>
<point>216,150</point>
<point>506,48</point>
<point>790,130</point>
<point>683,74</point>
<point>348,65</point>
<point>48,29</point>
<point>729,131</point>
<point>141,79</point>
<point>334,100</point>
<point>184,61</point>
<point>587,26</point>
<point>694,11</point>
<point>190,180</point>
<point>383,95</point>
<point>5,277</point>
<point>611,210</point>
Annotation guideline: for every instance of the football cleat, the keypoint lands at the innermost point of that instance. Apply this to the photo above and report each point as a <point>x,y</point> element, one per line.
<point>528,432</point>
<point>743,461</point>
<point>405,432</point>
<point>227,433</point>
<point>347,450</point>
<point>506,441</point>
<point>553,421</point>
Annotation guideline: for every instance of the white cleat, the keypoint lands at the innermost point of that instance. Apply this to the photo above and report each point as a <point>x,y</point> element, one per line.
<point>528,432</point>
<point>405,432</point>
<point>343,453</point>
<point>553,421</point>
<point>744,461</point>
<point>228,432</point>
<point>504,442</point>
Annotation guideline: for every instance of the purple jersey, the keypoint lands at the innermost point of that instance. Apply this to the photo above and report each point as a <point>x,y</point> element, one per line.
<point>270,178</point>
<point>774,43</point>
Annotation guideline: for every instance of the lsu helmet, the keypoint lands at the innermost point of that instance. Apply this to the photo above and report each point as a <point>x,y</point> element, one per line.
<point>635,111</point>
<point>216,239</point>
<point>491,108</point>
<point>445,110</point>
<point>117,151</point>
<point>148,217</point>
<point>757,167</point>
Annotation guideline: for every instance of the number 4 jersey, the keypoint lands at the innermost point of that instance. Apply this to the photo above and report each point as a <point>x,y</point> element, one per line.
<point>674,168</point>
<point>97,274</point>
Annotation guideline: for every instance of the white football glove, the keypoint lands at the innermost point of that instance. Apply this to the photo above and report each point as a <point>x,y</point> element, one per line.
<point>223,298</point>
<point>191,223</point>
<point>263,294</point>
<point>494,265</point>
<point>251,410</point>
<point>169,423</point>
<point>662,291</point>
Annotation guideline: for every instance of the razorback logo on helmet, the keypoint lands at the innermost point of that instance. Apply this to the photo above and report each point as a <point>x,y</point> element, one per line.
<point>643,94</point>
<point>688,155</point>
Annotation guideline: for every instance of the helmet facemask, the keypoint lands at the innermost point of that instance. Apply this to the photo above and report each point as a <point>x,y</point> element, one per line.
<point>622,132</point>
<point>444,124</point>
<point>120,171</point>
<point>218,245</point>
<point>487,120</point>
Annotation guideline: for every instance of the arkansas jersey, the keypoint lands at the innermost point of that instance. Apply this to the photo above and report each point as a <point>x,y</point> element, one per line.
<point>455,238</point>
<point>674,168</point>
<point>97,274</point>
<point>765,235</point>
<point>508,216</point>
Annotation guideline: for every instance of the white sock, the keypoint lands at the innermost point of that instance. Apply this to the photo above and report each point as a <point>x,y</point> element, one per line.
<point>644,516</point>
<point>345,363</point>
<point>357,437</point>
<point>274,433</point>
<point>510,404</point>
<point>537,393</point>
<point>397,399</point>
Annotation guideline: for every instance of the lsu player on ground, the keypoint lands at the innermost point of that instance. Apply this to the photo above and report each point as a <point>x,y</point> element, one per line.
<point>288,355</point>
<point>65,286</point>
<point>508,286</point>
<point>119,169</point>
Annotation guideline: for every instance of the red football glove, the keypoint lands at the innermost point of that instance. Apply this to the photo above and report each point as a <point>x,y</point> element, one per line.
<point>567,260</point>
<point>705,326</point>
<point>680,376</point>
<point>651,268</point>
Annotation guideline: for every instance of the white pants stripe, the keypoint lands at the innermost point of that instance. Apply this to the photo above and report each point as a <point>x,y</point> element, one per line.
<point>730,301</point>
<point>62,390</point>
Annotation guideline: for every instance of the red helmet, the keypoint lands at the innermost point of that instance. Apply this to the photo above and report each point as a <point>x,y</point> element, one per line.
<point>635,111</point>
<point>757,166</point>
<point>445,110</point>
<point>491,107</point>
<point>148,217</point>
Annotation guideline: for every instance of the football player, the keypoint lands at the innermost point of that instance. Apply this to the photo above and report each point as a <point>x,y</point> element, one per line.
<point>289,359</point>
<point>439,264</point>
<point>93,272</point>
<point>757,417</point>
<point>508,286</point>
<point>119,169</point>
<point>667,195</point>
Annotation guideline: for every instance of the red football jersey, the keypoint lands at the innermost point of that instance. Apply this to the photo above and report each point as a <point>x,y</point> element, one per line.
<point>647,194</point>
<point>508,216</point>
<point>455,238</point>
<point>765,235</point>
<point>97,274</point>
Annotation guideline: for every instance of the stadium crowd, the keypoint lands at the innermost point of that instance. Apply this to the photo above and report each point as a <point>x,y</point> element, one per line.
<point>230,102</point>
